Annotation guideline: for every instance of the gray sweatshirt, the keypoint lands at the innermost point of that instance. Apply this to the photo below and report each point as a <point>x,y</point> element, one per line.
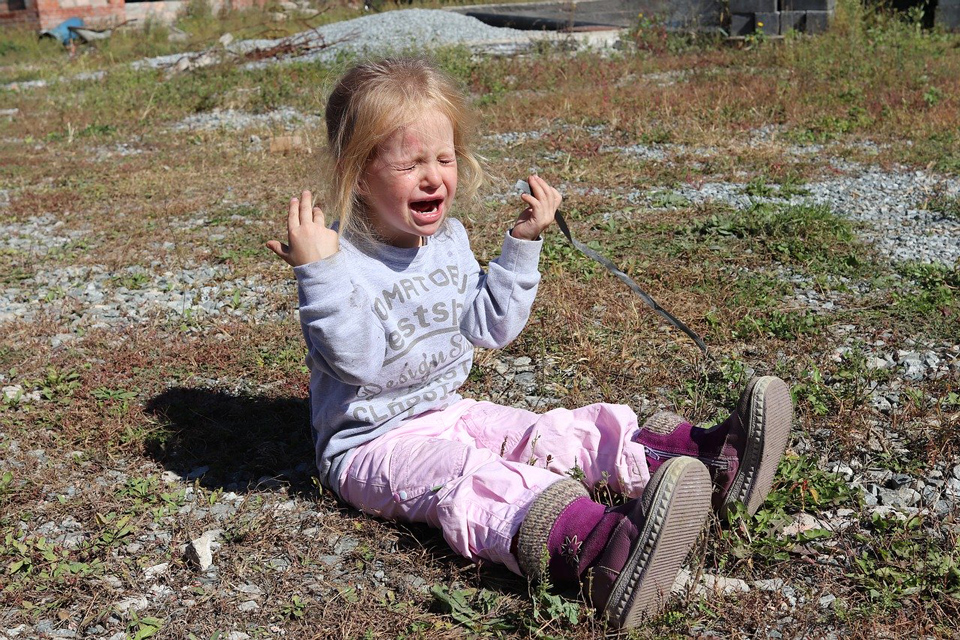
<point>390,332</point>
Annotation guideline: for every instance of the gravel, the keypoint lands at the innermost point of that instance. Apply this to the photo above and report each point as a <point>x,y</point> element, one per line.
<point>888,203</point>
<point>409,30</point>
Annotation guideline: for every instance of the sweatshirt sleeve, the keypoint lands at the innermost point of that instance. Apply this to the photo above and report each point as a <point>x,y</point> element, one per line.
<point>503,295</point>
<point>344,338</point>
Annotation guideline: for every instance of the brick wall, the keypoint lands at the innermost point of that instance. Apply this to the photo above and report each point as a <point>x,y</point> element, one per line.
<point>44,14</point>
<point>93,12</point>
<point>19,12</point>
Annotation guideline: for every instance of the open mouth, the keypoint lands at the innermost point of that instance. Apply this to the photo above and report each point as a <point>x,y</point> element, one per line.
<point>427,212</point>
<point>427,207</point>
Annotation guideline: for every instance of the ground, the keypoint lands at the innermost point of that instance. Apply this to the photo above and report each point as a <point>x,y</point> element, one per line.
<point>795,202</point>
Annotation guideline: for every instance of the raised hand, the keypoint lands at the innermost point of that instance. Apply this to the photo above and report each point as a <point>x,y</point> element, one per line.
<point>308,238</point>
<point>542,205</point>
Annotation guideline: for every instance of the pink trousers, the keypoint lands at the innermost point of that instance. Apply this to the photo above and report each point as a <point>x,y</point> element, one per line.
<point>474,469</point>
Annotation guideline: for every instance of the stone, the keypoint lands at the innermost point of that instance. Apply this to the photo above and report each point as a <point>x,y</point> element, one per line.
<point>248,606</point>
<point>948,17</point>
<point>802,522</point>
<point>943,508</point>
<point>898,498</point>
<point>708,584</point>
<point>199,472</point>
<point>136,603</point>
<point>817,21</point>
<point>199,552</point>
<point>767,23</point>
<point>794,21</point>
<point>808,5</point>
<point>741,24</point>
<point>156,570</point>
<point>345,544</point>
<point>842,470</point>
<point>753,6</point>
<point>827,601</point>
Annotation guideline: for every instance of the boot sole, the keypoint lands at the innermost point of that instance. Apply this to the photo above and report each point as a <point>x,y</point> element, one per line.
<point>679,508</point>
<point>770,414</point>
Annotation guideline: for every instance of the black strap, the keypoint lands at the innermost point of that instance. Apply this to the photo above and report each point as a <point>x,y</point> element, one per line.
<point>612,268</point>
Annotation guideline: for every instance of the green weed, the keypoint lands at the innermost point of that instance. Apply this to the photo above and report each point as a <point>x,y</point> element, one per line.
<point>897,560</point>
<point>800,234</point>
<point>296,609</point>
<point>471,608</point>
<point>59,384</point>
<point>935,295</point>
<point>783,325</point>
<point>801,486</point>
<point>141,628</point>
<point>946,206</point>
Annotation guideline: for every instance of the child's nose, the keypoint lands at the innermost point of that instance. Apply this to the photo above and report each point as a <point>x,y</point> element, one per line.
<point>431,175</point>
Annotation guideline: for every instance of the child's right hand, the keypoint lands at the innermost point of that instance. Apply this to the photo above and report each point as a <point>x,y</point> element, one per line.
<point>308,237</point>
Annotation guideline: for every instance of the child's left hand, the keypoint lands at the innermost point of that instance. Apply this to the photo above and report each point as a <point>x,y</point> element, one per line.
<point>541,209</point>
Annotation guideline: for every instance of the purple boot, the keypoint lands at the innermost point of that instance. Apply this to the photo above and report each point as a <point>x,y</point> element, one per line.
<point>741,453</point>
<point>626,558</point>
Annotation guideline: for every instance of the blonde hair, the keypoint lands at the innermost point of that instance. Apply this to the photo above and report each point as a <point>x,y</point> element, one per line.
<point>368,105</point>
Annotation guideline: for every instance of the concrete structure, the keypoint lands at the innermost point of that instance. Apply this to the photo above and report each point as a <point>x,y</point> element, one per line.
<point>44,14</point>
<point>737,17</point>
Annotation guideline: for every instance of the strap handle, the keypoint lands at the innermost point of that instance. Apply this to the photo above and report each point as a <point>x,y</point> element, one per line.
<point>524,186</point>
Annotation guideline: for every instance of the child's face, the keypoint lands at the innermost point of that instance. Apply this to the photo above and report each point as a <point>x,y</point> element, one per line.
<point>410,184</point>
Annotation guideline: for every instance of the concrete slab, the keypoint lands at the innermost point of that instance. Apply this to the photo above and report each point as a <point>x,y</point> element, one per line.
<point>587,15</point>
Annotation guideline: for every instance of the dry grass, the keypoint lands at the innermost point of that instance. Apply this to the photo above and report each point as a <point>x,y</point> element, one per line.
<point>230,393</point>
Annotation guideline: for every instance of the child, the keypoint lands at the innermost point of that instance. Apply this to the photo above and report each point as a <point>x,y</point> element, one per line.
<point>392,303</point>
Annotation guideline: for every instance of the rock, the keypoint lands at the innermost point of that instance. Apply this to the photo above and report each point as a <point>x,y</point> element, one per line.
<point>802,522</point>
<point>199,472</point>
<point>250,589</point>
<point>416,583</point>
<point>156,570</point>
<point>112,581</point>
<point>842,470</point>
<point>725,586</point>
<point>885,511</point>
<point>345,544</point>
<point>899,498</point>
<point>226,39</point>
<point>772,584</point>
<point>827,601</point>
<point>136,603</point>
<point>199,552</point>
<point>913,364</point>
<point>248,606</point>
<point>943,508</point>
<point>160,591</point>
<point>953,486</point>
<point>709,584</point>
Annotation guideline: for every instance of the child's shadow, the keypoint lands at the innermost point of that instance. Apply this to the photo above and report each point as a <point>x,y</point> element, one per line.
<point>233,442</point>
<point>244,443</point>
